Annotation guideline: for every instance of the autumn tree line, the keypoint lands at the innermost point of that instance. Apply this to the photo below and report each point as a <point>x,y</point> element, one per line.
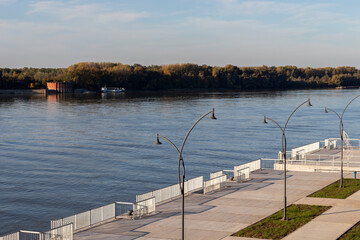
<point>93,76</point>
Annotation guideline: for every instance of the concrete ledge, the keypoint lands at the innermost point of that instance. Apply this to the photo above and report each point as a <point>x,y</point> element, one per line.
<point>314,168</point>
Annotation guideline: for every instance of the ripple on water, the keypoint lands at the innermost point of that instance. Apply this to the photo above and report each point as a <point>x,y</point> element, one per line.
<point>66,154</point>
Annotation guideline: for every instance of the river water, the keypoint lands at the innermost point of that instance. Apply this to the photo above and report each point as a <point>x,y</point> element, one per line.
<point>61,155</point>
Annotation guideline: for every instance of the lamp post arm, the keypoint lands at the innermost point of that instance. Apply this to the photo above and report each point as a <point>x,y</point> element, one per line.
<point>294,112</point>
<point>275,123</point>
<point>348,105</point>
<point>168,140</point>
<point>187,135</point>
<point>181,181</point>
<point>180,159</point>
<point>342,141</point>
<point>283,140</point>
<point>340,118</point>
<point>334,112</point>
<point>342,115</point>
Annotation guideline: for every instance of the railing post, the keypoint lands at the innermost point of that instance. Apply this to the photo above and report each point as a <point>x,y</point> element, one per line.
<point>102,213</point>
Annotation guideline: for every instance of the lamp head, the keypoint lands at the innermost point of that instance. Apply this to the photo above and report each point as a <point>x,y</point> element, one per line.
<point>157,141</point>
<point>309,103</point>
<point>326,111</point>
<point>264,122</point>
<point>213,114</point>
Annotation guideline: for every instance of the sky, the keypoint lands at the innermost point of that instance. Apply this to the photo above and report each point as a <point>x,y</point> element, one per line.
<point>306,33</point>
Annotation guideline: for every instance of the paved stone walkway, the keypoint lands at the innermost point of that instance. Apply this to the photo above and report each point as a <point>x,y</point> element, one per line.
<point>344,214</point>
<point>218,215</point>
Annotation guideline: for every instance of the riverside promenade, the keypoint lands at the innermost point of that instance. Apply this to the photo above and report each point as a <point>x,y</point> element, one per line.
<point>222,213</point>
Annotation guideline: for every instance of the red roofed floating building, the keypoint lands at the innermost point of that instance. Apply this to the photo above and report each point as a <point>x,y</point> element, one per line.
<point>60,87</point>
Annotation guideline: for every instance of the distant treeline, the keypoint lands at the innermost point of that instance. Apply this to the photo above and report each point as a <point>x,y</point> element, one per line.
<point>93,76</point>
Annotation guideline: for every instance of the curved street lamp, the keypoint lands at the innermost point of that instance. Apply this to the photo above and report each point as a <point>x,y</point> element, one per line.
<point>181,162</point>
<point>283,147</point>
<point>341,126</point>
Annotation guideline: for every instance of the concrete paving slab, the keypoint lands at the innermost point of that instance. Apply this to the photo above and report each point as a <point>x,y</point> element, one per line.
<point>175,233</point>
<point>220,214</point>
<point>210,225</point>
<point>340,215</point>
<point>242,210</point>
<point>246,219</point>
<point>104,236</point>
<point>229,201</point>
<point>319,230</point>
<point>241,238</point>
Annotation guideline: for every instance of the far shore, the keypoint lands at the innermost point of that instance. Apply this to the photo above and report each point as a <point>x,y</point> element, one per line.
<point>175,91</point>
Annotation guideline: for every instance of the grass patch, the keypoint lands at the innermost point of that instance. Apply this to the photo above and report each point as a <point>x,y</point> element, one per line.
<point>353,233</point>
<point>333,190</point>
<point>273,227</point>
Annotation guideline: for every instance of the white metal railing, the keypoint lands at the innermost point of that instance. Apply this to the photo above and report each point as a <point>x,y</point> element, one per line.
<point>242,174</point>
<point>268,163</point>
<point>124,210</point>
<point>102,214</point>
<point>299,152</point>
<point>144,207</point>
<point>330,143</point>
<point>319,157</point>
<point>173,191</point>
<point>194,184</point>
<point>87,218</point>
<point>216,174</point>
<point>29,235</point>
<point>311,157</point>
<point>323,163</point>
<point>61,233</point>
<point>240,170</point>
<point>65,232</point>
<point>336,142</point>
<point>23,235</point>
<point>12,236</point>
<point>253,166</point>
<point>214,184</point>
<point>229,174</point>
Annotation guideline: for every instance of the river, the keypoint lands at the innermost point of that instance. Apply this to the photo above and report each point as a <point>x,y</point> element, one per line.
<point>61,155</point>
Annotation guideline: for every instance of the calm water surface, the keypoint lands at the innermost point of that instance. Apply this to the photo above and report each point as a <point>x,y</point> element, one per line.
<point>61,155</point>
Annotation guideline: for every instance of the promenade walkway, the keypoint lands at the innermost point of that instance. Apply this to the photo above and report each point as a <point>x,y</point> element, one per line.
<point>218,215</point>
<point>333,223</point>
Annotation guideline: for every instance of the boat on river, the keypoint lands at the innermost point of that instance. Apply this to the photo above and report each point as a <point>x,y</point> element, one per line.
<point>112,90</point>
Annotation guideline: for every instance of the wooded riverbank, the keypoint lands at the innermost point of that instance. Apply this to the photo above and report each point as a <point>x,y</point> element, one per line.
<point>93,76</point>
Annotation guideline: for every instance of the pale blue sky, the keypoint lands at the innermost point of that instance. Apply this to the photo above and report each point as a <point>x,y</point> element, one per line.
<point>215,32</point>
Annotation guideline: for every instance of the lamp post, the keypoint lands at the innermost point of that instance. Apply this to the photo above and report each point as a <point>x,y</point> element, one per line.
<point>283,147</point>
<point>341,126</point>
<point>181,162</point>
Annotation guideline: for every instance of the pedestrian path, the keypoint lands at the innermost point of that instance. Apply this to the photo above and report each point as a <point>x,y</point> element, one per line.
<point>218,215</point>
<point>344,214</point>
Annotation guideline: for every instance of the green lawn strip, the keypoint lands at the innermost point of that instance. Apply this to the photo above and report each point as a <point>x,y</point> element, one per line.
<point>273,227</point>
<point>353,233</point>
<point>333,190</point>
